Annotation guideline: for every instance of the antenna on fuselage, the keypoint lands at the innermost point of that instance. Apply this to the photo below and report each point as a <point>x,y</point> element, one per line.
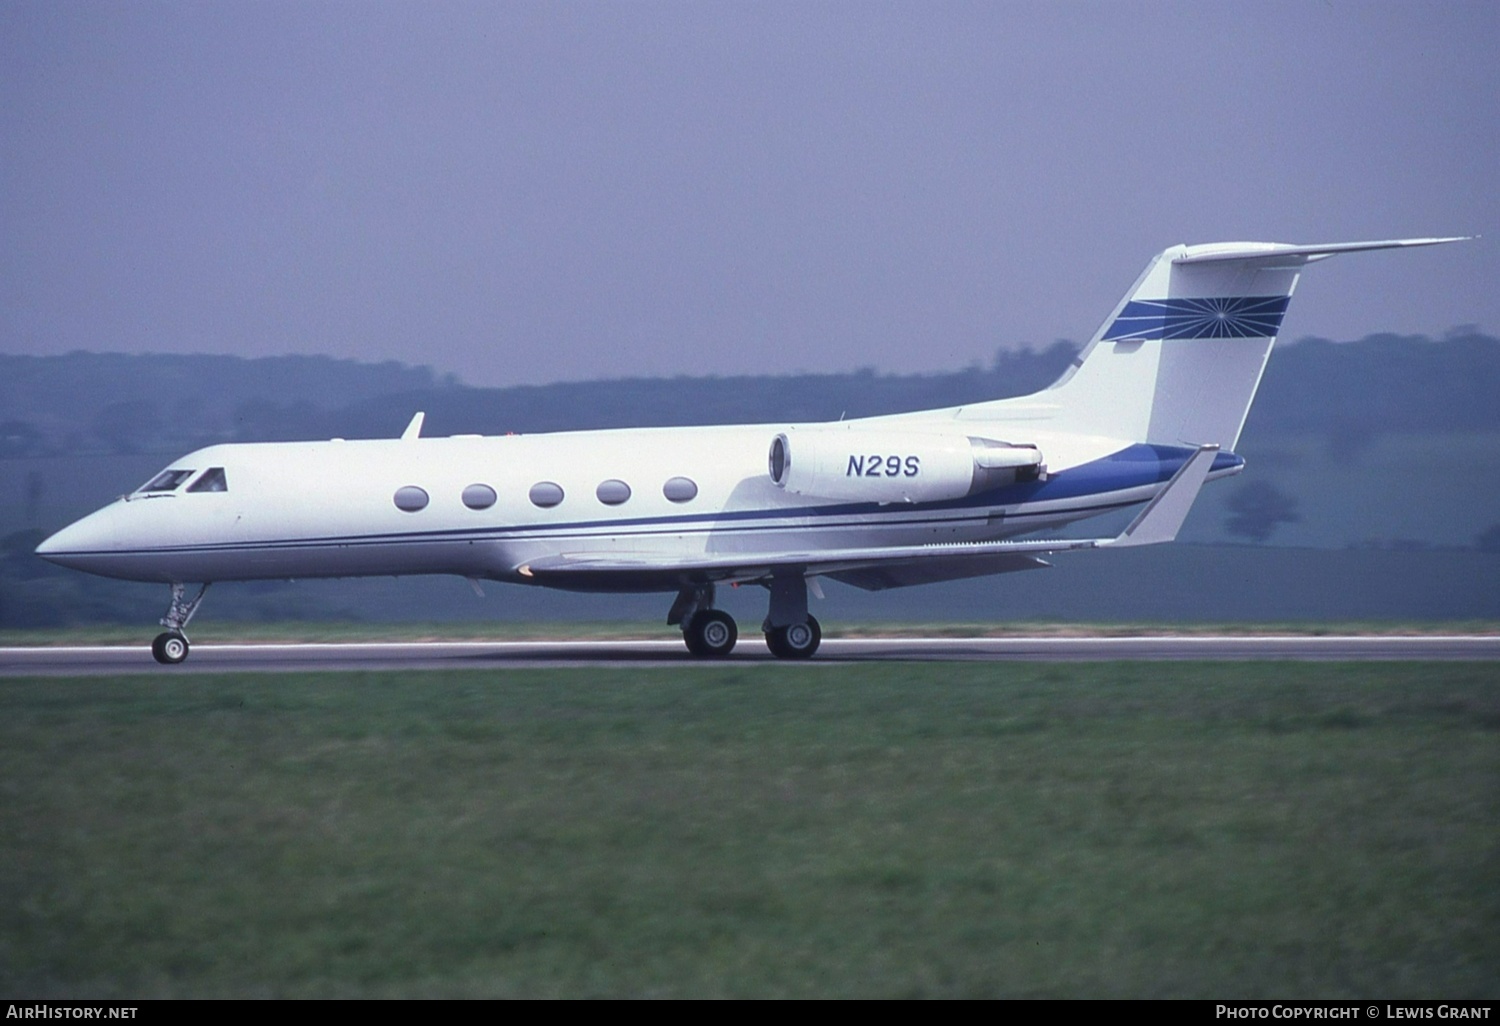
<point>414,429</point>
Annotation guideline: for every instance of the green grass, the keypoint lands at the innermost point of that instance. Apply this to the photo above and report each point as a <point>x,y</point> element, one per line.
<point>1225,830</point>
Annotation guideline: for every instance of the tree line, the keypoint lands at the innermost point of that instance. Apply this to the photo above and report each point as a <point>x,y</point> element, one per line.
<point>112,403</point>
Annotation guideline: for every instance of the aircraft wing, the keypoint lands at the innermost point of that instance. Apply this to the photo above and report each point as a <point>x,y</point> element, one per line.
<point>873,568</point>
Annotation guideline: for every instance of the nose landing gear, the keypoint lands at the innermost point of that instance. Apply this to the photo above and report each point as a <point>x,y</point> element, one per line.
<point>171,647</point>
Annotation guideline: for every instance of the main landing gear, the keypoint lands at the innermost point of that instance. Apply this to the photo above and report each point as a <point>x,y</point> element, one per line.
<point>791,633</point>
<point>795,641</point>
<point>710,634</point>
<point>171,647</point>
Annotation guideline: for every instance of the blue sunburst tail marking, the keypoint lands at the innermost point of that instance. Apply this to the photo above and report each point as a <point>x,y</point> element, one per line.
<point>1217,317</point>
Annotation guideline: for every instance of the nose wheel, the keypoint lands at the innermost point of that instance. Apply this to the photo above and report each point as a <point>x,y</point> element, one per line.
<point>170,648</point>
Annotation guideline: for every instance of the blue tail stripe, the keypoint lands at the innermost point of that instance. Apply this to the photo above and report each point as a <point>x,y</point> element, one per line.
<point>1218,317</point>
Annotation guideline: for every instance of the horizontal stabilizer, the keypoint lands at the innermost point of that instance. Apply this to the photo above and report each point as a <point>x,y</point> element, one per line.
<point>1303,254</point>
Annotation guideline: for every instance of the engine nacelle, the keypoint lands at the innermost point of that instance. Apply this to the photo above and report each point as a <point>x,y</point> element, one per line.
<point>858,465</point>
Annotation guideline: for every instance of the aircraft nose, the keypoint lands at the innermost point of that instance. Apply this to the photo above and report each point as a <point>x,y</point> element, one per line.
<point>59,543</point>
<point>78,540</point>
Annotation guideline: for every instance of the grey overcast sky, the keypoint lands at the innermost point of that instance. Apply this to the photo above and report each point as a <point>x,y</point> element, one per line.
<point>530,192</point>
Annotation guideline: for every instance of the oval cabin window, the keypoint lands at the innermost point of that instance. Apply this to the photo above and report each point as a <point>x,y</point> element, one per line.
<point>612,492</point>
<point>546,494</point>
<point>479,496</point>
<point>410,499</point>
<point>680,489</point>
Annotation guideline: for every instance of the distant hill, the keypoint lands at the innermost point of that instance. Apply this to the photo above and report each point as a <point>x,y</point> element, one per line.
<point>113,402</point>
<point>99,403</point>
<point>1381,384</point>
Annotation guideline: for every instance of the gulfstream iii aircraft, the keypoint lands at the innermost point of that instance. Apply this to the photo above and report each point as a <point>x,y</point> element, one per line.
<point>1151,409</point>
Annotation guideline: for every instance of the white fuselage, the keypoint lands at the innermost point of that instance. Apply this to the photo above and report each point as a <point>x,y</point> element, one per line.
<point>329,509</point>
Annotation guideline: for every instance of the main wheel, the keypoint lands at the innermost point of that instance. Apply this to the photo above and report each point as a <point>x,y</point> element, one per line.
<point>711,634</point>
<point>170,648</point>
<point>795,641</point>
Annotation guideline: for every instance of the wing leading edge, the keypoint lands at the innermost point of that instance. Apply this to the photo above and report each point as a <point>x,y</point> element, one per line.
<point>874,569</point>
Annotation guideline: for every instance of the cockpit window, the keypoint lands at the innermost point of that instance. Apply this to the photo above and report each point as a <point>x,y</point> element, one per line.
<point>166,481</point>
<point>212,481</point>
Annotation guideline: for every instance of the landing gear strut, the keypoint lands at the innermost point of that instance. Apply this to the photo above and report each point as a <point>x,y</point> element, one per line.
<point>791,632</point>
<point>171,647</point>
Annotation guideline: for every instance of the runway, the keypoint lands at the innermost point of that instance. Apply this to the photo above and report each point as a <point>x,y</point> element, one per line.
<point>669,652</point>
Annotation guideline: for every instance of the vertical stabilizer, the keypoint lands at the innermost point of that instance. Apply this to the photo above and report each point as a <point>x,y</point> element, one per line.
<point>1180,358</point>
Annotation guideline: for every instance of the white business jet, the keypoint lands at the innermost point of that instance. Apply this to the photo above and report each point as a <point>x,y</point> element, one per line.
<point>1152,408</point>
